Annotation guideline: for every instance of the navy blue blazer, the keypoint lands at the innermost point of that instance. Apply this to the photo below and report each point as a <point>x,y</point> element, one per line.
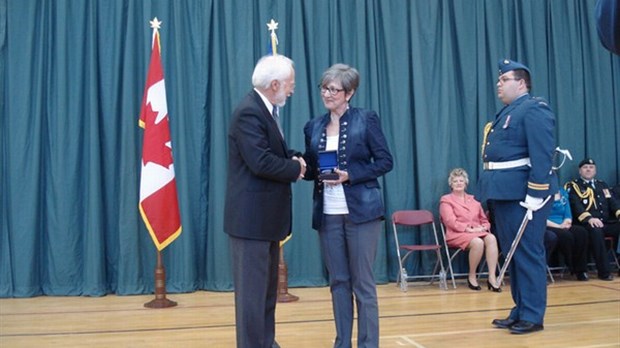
<point>260,173</point>
<point>522,129</point>
<point>362,152</point>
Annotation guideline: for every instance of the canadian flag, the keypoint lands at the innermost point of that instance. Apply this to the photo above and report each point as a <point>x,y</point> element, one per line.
<point>159,205</point>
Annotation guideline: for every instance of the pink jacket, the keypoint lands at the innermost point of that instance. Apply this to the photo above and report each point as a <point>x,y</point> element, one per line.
<point>457,214</point>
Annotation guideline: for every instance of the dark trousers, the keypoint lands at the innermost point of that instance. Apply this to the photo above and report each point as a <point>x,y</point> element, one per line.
<point>528,268</point>
<point>572,244</point>
<point>255,273</point>
<point>596,239</point>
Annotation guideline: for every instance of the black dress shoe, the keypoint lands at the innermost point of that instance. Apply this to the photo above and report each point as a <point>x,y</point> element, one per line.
<point>608,277</point>
<point>525,327</point>
<point>582,276</point>
<point>492,288</point>
<point>503,323</point>
<point>473,287</point>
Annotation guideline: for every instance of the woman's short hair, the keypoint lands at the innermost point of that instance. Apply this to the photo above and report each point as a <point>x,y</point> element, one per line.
<point>349,77</point>
<point>455,173</point>
<point>269,68</point>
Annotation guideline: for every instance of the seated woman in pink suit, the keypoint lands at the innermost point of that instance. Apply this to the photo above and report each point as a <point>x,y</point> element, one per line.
<point>468,228</point>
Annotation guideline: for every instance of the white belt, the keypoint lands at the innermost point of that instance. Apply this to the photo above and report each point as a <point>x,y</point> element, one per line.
<point>507,164</point>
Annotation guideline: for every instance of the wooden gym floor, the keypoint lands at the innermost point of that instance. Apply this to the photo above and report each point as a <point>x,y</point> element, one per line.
<point>579,314</point>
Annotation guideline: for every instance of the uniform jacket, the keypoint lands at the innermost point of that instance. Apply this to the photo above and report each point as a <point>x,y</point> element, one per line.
<point>362,152</point>
<point>524,128</point>
<point>587,202</point>
<point>260,172</point>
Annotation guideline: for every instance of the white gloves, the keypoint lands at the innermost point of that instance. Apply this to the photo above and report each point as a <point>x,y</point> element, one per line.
<point>532,204</point>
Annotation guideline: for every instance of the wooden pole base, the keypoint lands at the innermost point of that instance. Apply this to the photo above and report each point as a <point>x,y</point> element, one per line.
<point>283,295</point>
<point>286,297</point>
<point>160,303</point>
<point>160,300</point>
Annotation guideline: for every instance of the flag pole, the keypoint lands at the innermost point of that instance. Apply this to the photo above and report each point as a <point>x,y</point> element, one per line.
<point>160,300</point>
<point>283,294</point>
<point>158,197</point>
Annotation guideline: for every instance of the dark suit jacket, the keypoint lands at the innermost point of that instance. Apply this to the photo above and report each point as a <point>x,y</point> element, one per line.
<point>260,172</point>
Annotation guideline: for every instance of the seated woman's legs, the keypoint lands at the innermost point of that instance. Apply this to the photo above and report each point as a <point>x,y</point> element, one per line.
<point>551,240</point>
<point>476,248</point>
<point>565,246</point>
<point>490,245</point>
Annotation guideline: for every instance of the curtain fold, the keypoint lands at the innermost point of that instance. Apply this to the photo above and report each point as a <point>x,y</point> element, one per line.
<point>72,76</point>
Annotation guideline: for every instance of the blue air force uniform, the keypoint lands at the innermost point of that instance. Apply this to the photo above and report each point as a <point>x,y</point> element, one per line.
<point>517,157</point>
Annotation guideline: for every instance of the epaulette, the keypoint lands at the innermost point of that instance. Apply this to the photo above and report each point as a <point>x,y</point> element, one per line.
<point>485,134</point>
<point>541,101</point>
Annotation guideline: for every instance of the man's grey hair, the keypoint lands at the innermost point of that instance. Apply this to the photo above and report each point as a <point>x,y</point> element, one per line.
<point>270,68</point>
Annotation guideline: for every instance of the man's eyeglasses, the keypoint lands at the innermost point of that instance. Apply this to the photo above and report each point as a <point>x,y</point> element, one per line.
<point>332,91</point>
<point>504,79</point>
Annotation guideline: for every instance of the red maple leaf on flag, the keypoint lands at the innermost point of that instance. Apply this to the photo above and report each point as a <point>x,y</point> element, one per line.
<point>158,134</point>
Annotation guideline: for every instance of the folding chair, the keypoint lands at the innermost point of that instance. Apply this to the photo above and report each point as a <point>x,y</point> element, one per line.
<point>416,219</point>
<point>609,245</point>
<point>451,253</point>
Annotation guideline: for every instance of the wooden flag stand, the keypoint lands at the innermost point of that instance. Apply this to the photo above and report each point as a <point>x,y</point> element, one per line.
<point>160,300</point>
<point>283,295</point>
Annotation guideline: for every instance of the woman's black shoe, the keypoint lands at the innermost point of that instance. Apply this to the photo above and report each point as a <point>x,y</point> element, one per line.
<point>471,286</point>
<point>492,288</point>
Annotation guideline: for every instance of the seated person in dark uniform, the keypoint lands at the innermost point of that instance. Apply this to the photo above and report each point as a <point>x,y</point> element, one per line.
<point>597,210</point>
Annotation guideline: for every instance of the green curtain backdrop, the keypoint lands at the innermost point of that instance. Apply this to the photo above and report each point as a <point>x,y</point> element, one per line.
<point>72,75</point>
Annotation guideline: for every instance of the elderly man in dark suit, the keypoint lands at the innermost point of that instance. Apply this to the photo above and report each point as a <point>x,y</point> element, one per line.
<point>517,177</point>
<point>257,213</point>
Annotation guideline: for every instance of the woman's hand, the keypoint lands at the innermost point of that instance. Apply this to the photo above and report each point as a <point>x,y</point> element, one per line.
<point>343,176</point>
<point>566,224</point>
<point>475,229</point>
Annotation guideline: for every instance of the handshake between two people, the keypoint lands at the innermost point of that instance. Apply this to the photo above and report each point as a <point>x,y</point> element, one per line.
<point>533,204</point>
<point>302,165</point>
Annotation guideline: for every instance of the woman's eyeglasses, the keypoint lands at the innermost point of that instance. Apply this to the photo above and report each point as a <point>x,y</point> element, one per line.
<point>332,91</point>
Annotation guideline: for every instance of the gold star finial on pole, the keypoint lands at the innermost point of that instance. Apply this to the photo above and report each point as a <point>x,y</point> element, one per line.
<point>273,26</point>
<point>155,23</point>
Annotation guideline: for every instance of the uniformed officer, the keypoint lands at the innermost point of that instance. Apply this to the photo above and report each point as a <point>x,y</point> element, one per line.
<point>517,156</point>
<point>594,207</point>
